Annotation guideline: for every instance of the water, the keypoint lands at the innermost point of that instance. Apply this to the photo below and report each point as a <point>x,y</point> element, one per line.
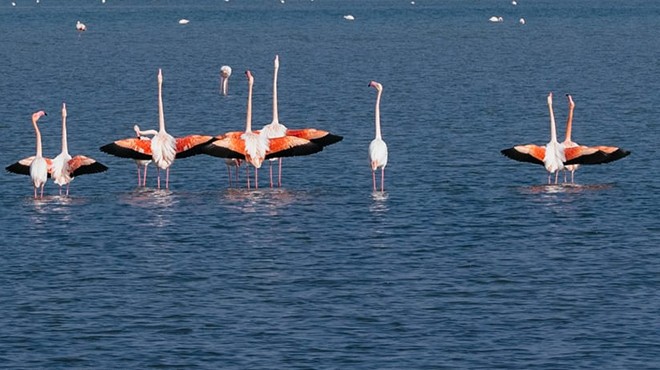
<point>466,261</point>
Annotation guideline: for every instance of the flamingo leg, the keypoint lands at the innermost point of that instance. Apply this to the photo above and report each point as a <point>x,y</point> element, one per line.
<point>144,178</point>
<point>373,177</point>
<point>167,178</point>
<point>279,173</point>
<point>556,177</point>
<point>247,174</point>
<point>271,173</point>
<point>42,192</point>
<point>67,190</point>
<point>138,173</point>
<point>382,179</point>
<point>256,178</point>
<point>35,192</point>
<point>572,177</point>
<point>229,174</point>
<point>158,177</point>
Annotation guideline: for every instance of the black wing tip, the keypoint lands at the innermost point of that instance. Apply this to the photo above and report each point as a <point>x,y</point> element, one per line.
<point>600,157</point>
<point>95,167</point>
<point>220,152</point>
<point>297,151</point>
<point>18,169</point>
<point>512,153</point>
<point>121,152</point>
<point>328,139</point>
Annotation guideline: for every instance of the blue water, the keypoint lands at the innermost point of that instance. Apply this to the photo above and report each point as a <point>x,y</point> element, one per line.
<point>467,260</point>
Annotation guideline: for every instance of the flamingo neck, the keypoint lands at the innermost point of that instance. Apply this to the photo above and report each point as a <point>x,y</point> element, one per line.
<point>65,147</point>
<point>276,118</point>
<point>248,119</point>
<point>553,129</point>
<point>569,122</point>
<point>161,114</point>
<point>377,114</point>
<point>36,129</point>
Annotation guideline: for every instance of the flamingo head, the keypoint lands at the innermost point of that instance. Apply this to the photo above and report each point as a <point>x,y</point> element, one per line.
<point>277,61</point>
<point>160,76</point>
<point>570,101</point>
<point>136,128</point>
<point>550,98</point>
<point>37,115</point>
<point>63,109</point>
<point>249,76</point>
<point>376,85</point>
<point>225,71</point>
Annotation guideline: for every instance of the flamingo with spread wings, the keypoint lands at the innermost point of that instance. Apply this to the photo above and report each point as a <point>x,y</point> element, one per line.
<point>554,155</point>
<point>255,148</point>
<point>37,166</point>
<point>163,148</point>
<point>65,168</point>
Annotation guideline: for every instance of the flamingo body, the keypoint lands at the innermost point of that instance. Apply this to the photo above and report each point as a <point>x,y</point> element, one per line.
<point>81,27</point>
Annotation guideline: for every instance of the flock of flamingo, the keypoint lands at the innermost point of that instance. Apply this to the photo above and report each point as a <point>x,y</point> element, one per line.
<point>273,142</point>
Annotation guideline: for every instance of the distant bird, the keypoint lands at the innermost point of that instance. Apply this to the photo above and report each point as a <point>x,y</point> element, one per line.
<point>521,21</point>
<point>36,166</point>
<point>65,167</point>
<point>349,17</point>
<point>377,147</point>
<point>225,72</point>
<point>163,147</point>
<point>13,3</point>
<point>184,21</point>
<point>554,156</point>
<point>81,26</point>
<point>142,163</point>
<point>102,1</point>
<point>496,19</point>
<point>514,3</point>
<point>255,148</point>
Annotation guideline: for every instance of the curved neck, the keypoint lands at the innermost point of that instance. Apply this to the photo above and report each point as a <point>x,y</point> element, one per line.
<point>161,115</point>
<point>569,121</point>
<point>380,91</point>
<point>36,129</point>
<point>276,118</point>
<point>65,148</point>
<point>553,129</point>
<point>248,119</point>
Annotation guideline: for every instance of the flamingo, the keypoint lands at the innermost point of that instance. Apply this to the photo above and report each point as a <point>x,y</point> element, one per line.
<point>81,26</point>
<point>276,129</point>
<point>184,21</point>
<point>65,168</point>
<point>37,166</point>
<point>225,72</point>
<point>144,163</point>
<point>163,148</point>
<point>554,156</point>
<point>255,148</point>
<point>496,19</point>
<point>378,147</point>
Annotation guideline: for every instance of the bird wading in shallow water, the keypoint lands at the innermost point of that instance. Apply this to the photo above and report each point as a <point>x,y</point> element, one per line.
<point>377,147</point>
<point>37,167</point>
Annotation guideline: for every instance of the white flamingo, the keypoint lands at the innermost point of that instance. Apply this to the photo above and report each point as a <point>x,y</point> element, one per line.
<point>378,147</point>
<point>37,167</point>
<point>275,128</point>
<point>225,72</point>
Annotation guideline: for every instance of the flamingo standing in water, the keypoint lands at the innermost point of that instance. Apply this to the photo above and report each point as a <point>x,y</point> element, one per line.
<point>377,147</point>
<point>37,166</point>
<point>276,129</point>
<point>65,168</point>
<point>81,26</point>
<point>255,148</point>
<point>554,156</point>
<point>163,148</point>
<point>225,72</point>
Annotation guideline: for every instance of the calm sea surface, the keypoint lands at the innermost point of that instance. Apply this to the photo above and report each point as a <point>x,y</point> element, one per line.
<point>467,260</point>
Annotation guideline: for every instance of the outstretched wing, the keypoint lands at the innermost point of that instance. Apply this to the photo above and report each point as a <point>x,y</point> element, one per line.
<point>229,145</point>
<point>22,167</point>
<point>190,145</point>
<point>320,137</point>
<point>82,165</point>
<point>291,146</point>
<point>526,153</point>
<point>593,154</point>
<point>134,148</point>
